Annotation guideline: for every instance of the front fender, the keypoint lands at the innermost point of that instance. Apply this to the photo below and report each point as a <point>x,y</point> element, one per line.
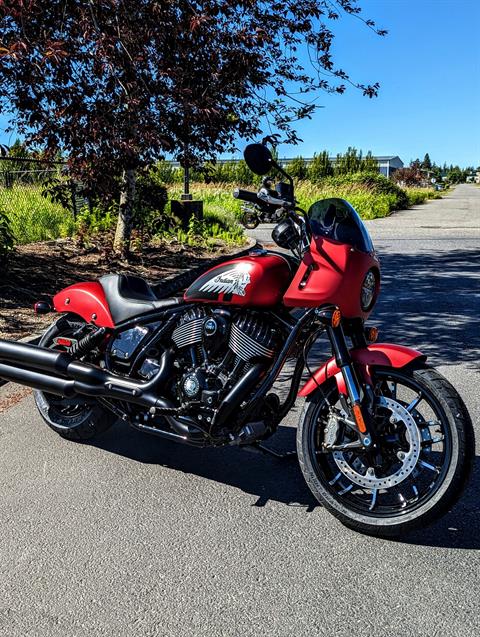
<point>87,300</point>
<point>376,355</point>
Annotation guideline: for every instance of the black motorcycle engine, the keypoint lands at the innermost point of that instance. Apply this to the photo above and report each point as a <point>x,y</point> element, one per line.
<point>216,348</point>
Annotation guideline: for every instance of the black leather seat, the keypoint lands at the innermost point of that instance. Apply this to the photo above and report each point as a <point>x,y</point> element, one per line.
<point>129,296</point>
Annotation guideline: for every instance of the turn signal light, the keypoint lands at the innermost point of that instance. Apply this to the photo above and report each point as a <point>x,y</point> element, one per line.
<point>329,315</point>
<point>336,318</point>
<point>371,334</point>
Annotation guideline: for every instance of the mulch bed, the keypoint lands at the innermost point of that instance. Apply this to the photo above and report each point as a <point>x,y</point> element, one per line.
<point>39,270</point>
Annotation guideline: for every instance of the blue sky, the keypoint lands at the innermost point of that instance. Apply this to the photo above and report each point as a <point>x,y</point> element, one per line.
<point>429,70</point>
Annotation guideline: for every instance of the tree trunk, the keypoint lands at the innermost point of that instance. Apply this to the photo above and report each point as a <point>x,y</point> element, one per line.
<point>121,243</point>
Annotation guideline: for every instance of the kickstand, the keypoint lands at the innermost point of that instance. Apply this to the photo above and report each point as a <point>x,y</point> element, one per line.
<point>259,448</point>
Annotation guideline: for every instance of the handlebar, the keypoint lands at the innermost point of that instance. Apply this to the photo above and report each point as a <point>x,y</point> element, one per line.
<point>262,198</point>
<point>265,199</point>
<point>245,195</point>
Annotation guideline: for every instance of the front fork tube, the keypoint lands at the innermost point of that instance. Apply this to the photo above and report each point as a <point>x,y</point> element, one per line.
<point>344,362</point>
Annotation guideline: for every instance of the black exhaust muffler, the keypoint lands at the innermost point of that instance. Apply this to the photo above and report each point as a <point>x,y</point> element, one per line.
<point>58,373</point>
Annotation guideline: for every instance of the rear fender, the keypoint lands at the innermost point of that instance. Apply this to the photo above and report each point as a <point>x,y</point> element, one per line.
<point>88,301</point>
<point>376,355</point>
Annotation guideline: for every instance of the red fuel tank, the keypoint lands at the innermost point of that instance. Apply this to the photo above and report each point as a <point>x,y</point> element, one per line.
<point>257,280</point>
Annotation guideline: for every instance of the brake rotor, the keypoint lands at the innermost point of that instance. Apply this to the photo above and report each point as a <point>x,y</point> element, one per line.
<point>408,459</point>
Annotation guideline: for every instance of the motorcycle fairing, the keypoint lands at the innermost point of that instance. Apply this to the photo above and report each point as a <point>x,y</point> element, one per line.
<point>328,273</point>
<point>88,300</point>
<point>375,355</point>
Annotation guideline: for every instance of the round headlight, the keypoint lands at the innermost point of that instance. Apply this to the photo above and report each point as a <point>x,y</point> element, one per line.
<point>368,291</point>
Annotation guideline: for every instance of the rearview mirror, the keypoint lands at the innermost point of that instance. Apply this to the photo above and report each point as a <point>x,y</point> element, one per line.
<point>258,158</point>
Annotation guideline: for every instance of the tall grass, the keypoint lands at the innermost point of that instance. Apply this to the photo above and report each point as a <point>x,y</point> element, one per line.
<point>372,195</point>
<point>33,217</point>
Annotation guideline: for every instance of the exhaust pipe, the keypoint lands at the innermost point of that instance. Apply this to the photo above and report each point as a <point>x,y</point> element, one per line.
<point>58,373</point>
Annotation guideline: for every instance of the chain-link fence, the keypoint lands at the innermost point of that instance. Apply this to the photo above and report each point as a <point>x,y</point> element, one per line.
<point>33,213</point>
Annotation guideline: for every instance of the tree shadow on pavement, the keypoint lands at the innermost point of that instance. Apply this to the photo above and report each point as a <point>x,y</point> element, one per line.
<point>431,301</point>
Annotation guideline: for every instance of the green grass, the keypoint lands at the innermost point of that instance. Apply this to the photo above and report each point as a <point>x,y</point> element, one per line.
<point>220,211</point>
<point>33,217</point>
<point>373,196</point>
<point>420,195</point>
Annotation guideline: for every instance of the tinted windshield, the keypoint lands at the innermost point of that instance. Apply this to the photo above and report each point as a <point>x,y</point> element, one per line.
<point>336,219</point>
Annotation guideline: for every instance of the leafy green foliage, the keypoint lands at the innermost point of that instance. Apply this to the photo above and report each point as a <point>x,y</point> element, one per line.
<point>97,219</point>
<point>7,240</point>
<point>420,195</point>
<point>32,217</point>
<point>150,201</point>
<point>320,167</point>
<point>298,169</point>
<point>372,195</point>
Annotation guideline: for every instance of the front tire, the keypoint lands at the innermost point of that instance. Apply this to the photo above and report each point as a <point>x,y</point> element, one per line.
<point>250,220</point>
<point>72,419</point>
<point>427,450</point>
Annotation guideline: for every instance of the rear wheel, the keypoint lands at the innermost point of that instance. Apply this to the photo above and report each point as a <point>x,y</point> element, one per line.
<point>423,456</point>
<point>72,418</point>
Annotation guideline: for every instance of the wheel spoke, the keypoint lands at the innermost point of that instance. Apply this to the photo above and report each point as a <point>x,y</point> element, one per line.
<point>353,480</point>
<point>337,477</point>
<point>427,465</point>
<point>414,402</point>
<point>346,489</point>
<point>433,441</point>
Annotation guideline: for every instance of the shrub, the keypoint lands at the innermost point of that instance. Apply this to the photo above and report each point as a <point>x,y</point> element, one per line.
<point>298,169</point>
<point>150,201</point>
<point>7,240</point>
<point>320,167</point>
<point>98,218</point>
<point>419,195</point>
<point>410,176</point>
<point>164,172</point>
<point>32,217</point>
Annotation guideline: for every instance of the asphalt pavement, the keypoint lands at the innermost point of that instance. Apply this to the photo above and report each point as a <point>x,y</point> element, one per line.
<point>136,536</point>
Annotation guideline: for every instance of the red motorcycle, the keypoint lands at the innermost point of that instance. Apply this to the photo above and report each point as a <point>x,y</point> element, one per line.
<point>385,442</point>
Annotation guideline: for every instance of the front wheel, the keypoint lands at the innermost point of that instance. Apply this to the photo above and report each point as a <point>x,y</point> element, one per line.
<point>250,220</point>
<point>424,451</point>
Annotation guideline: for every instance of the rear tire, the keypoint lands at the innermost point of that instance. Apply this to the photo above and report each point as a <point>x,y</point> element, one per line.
<point>337,495</point>
<point>73,421</point>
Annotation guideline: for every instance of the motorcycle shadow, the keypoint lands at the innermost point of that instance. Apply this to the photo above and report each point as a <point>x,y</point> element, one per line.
<point>280,480</point>
<point>264,476</point>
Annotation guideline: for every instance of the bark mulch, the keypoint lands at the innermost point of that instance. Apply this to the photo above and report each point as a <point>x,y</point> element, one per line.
<point>39,270</point>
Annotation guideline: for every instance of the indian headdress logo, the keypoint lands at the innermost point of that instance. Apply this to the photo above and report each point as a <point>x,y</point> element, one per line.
<point>233,281</point>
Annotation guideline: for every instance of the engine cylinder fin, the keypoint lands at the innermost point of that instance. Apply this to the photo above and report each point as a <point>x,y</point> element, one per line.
<point>246,347</point>
<point>188,333</point>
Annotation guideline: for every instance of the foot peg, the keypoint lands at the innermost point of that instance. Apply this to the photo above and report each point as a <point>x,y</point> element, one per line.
<point>249,433</point>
